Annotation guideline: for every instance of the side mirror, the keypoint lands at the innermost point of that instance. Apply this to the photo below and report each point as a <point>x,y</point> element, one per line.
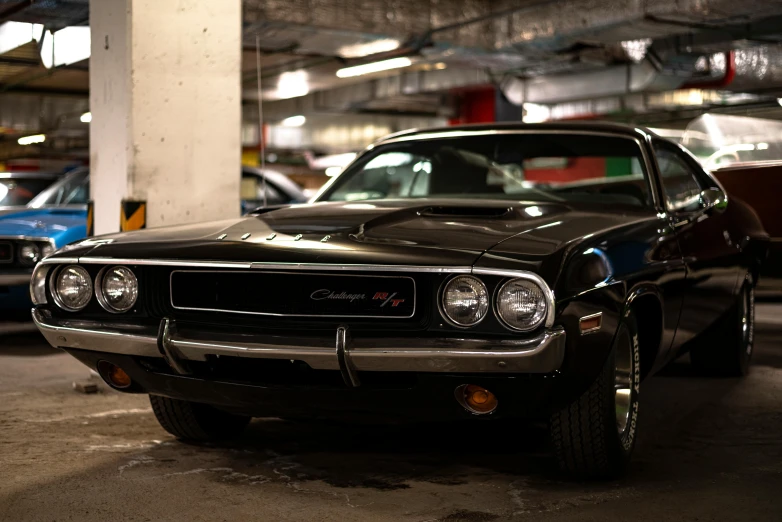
<point>713,199</point>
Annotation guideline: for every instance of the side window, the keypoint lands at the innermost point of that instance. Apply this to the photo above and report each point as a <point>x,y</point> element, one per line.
<point>252,192</point>
<point>78,193</point>
<point>681,185</point>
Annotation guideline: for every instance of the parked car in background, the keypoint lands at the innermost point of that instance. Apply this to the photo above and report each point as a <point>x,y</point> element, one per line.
<point>57,216</point>
<point>485,272</point>
<point>745,155</point>
<point>18,188</point>
<point>279,189</point>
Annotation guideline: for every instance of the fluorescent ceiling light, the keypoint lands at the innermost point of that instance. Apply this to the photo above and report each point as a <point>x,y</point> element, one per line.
<point>762,146</point>
<point>86,117</point>
<point>66,46</point>
<point>294,121</point>
<point>535,113</point>
<point>363,49</point>
<point>333,171</point>
<point>17,34</point>
<point>369,68</point>
<point>29,140</point>
<point>292,84</point>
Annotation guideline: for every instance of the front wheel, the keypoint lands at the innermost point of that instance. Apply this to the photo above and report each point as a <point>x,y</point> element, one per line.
<point>195,421</point>
<point>594,436</point>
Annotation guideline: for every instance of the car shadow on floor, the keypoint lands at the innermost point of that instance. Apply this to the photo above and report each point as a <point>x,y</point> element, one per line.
<point>27,344</point>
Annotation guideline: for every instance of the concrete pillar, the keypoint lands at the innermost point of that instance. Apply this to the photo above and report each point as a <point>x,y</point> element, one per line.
<point>165,99</point>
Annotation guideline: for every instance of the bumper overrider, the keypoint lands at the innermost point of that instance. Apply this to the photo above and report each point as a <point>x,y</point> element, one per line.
<point>543,353</point>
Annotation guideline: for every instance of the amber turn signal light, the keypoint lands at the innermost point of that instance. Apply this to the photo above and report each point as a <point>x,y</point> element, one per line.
<point>476,399</point>
<point>114,375</point>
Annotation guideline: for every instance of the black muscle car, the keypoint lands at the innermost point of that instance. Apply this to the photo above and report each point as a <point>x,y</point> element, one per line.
<point>538,271</point>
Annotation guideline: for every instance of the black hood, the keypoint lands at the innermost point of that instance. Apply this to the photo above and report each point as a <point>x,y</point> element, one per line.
<point>447,232</point>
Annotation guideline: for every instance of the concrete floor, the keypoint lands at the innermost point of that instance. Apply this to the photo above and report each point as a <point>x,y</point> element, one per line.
<point>709,449</point>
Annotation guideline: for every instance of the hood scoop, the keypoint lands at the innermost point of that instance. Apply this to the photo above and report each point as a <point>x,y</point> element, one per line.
<point>466,211</point>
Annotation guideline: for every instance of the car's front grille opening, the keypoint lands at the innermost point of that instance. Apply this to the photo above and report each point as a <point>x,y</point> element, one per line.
<point>241,299</point>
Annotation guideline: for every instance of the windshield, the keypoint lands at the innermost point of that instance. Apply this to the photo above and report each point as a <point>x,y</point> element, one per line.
<point>517,166</point>
<point>73,189</point>
<point>19,191</point>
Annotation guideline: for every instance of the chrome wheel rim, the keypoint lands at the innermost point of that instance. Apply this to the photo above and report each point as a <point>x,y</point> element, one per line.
<point>623,375</point>
<point>747,320</point>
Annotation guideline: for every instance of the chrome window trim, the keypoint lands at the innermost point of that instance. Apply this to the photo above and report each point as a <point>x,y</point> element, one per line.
<point>270,314</point>
<point>643,143</point>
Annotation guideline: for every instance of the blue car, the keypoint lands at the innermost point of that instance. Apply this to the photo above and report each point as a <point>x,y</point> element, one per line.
<point>57,216</point>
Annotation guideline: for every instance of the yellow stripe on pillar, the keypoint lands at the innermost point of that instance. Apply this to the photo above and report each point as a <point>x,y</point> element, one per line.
<point>90,219</point>
<point>133,215</point>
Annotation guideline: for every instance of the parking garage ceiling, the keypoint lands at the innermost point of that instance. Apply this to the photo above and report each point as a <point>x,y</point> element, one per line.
<point>595,57</point>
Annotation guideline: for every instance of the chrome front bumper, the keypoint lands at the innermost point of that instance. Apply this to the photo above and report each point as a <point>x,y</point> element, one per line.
<point>541,354</point>
<point>14,279</point>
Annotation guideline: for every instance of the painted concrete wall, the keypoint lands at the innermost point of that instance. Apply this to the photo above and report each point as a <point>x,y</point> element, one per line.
<point>166,109</point>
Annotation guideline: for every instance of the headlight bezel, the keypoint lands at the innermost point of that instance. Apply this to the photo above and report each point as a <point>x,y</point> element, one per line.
<point>53,287</point>
<point>100,294</point>
<point>441,301</point>
<point>38,284</point>
<point>547,318</point>
<point>28,244</point>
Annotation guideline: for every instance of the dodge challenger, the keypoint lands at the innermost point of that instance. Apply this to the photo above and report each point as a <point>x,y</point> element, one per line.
<point>479,272</point>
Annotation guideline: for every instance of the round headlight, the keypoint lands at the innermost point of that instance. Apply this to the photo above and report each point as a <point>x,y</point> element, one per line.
<point>465,300</point>
<point>72,288</point>
<point>46,251</point>
<point>29,254</point>
<point>118,289</point>
<point>521,304</point>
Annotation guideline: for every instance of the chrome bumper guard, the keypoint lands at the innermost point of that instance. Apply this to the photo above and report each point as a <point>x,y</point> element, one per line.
<point>541,354</point>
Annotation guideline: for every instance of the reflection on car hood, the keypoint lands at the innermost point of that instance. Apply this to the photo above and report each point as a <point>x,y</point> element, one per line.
<point>43,223</point>
<point>447,232</point>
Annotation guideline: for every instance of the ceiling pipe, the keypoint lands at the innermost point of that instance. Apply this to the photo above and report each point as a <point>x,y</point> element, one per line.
<point>719,83</point>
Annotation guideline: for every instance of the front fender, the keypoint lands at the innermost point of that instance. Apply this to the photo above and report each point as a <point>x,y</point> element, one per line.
<point>585,355</point>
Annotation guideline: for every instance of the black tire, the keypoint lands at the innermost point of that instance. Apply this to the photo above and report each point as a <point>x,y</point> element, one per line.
<point>194,421</point>
<point>727,350</point>
<point>589,440</point>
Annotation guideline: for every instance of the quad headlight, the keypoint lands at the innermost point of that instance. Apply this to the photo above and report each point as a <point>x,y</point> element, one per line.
<point>72,288</point>
<point>47,250</point>
<point>117,289</point>
<point>465,300</point>
<point>522,304</point>
<point>29,254</point>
